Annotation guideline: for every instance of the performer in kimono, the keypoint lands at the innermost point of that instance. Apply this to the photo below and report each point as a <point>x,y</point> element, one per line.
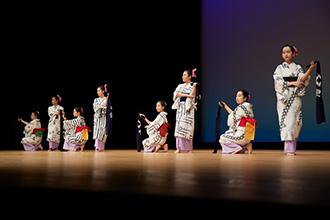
<point>236,139</point>
<point>73,134</point>
<point>100,109</point>
<point>54,130</point>
<point>157,130</point>
<point>33,133</point>
<point>184,104</point>
<point>290,82</point>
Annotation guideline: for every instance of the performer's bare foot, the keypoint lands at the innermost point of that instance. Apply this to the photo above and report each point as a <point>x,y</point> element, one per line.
<point>40,146</point>
<point>290,154</point>
<point>165,147</point>
<point>157,148</point>
<point>82,148</point>
<point>239,150</point>
<point>177,151</point>
<point>249,148</point>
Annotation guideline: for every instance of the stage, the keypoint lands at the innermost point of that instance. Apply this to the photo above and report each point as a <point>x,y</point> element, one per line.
<point>266,178</point>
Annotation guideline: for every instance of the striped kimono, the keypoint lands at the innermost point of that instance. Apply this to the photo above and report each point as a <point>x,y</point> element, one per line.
<point>70,134</point>
<point>185,116</point>
<point>99,129</point>
<point>234,138</point>
<point>155,138</point>
<point>54,124</point>
<point>289,104</point>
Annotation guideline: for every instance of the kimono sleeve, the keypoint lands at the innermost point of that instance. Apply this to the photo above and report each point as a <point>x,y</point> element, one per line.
<point>51,113</point>
<point>235,117</point>
<point>71,124</point>
<point>175,98</point>
<point>301,91</point>
<point>281,86</point>
<point>96,105</point>
<point>28,129</point>
<point>155,125</point>
<point>99,103</point>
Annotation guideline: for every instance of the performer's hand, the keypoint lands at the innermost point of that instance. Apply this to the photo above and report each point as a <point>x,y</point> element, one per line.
<point>298,84</point>
<point>222,104</point>
<point>190,96</point>
<point>312,64</point>
<point>142,115</point>
<point>195,84</point>
<point>21,120</point>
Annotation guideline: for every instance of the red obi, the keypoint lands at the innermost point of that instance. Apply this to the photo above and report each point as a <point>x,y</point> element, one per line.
<point>163,129</point>
<point>250,127</point>
<point>84,132</point>
<point>250,120</point>
<point>38,131</point>
<point>79,129</point>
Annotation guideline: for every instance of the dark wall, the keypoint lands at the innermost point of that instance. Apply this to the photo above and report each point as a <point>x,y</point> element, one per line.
<point>139,50</point>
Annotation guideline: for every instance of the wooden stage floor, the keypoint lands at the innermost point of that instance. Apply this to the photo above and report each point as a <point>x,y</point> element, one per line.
<point>266,177</point>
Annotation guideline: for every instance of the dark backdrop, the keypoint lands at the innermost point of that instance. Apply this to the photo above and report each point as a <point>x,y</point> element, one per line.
<point>140,50</point>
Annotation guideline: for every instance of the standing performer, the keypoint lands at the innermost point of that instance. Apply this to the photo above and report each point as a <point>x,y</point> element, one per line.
<point>100,109</point>
<point>54,130</point>
<point>33,133</point>
<point>157,130</point>
<point>184,104</point>
<point>290,82</point>
<point>241,126</point>
<point>75,137</point>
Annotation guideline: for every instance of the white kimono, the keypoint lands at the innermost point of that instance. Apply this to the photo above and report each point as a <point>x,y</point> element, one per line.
<point>235,133</point>
<point>185,112</point>
<point>70,127</point>
<point>31,138</point>
<point>289,104</point>
<point>99,129</point>
<point>154,135</point>
<point>54,124</point>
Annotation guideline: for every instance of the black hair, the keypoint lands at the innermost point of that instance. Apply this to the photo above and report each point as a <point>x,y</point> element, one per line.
<point>56,97</point>
<point>79,109</point>
<point>101,87</point>
<point>190,73</point>
<point>291,47</point>
<point>36,113</point>
<point>245,95</point>
<point>163,103</point>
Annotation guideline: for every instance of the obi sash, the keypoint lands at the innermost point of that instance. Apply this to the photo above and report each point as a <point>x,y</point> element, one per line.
<point>84,130</point>
<point>250,125</point>
<point>163,129</point>
<point>290,79</point>
<point>183,99</point>
<point>38,131</point>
